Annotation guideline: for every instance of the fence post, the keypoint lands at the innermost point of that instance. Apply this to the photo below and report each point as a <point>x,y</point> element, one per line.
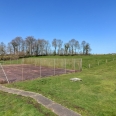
<point>74,65</point>
<point>29,68</point>
<point>54,66</point>
<point>81,65</point>
<point>40,66</point>
<point>106,60</point>
<point>65,65</point>
<point>10,60</point>
<point>98,63</point>
<point>89,65</point>
<point>35,62</point>
<point>22,69</point>
<point>4,61</point>
<point>17,60</point>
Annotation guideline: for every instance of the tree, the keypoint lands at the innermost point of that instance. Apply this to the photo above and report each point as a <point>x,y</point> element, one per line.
<point>59,44</point>
<point>36,45</point>
<point>18,41</point>
<point>74,44</point>
<point>87,48</point>
<point>23,47</point>
<point>9,48</point>
<point>29,42</point>
<point>83,46</point>
<point>31,46</point>
<point>2,48</point>
<point>14,44</point>
<point>61,51</point>
<point>55,44</point>
<point>41,46</point>
<point>47,47</point>
<point>66,47</point>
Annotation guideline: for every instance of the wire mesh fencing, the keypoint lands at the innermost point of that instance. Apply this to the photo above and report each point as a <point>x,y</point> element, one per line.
<point>30,68</point>
<point>56,65</point>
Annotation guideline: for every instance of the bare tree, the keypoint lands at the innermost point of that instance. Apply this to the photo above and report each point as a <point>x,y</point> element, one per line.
<point>18,40</point>
<point>55,44</point>
<point>76,45</point>
<point>36,45</point>
<point>42,47</point>
<point>31,46</point>
<point>61,51</point>
<point>14,44</point>
<point>9,48</point>
<point>29,42</point>
<point>2,48</point>
<point>23,46</point>
<point>83,46</point>
<point>59,44</point>
<point>47,47</point>
<point>72,44</point>
<point>66,47</point>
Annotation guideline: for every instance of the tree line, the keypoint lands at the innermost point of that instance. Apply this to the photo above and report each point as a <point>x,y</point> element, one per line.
<point>31,46</point>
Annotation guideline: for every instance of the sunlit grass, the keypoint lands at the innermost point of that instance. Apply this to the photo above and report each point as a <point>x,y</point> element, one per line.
<point>15,105</point>
<point>95,95</point>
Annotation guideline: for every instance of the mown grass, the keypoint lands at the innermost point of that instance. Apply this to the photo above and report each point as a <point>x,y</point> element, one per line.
<point>15,105</point>
<point>93,96</point>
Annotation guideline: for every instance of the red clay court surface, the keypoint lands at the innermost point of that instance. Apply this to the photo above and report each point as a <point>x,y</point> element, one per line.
<point>26,72</point>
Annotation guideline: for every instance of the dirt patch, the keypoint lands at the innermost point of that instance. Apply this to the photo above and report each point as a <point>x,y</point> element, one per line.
<point>26,72</point>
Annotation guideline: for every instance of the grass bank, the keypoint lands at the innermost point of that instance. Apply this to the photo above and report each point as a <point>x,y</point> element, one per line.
<point>93,96</point>
<point>16,105</point>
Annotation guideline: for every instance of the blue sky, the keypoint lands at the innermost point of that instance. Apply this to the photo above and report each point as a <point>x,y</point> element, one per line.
<point>91,20</point>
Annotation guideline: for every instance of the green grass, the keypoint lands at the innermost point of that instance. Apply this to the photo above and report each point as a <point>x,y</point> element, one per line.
<point>95,95</point>
<point>15,105</point>
<point>93,60</point>
<point>11,62</point>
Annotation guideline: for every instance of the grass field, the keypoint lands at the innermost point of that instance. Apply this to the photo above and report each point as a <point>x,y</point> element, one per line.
<point>95,95</point>
<point>15,105</point>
